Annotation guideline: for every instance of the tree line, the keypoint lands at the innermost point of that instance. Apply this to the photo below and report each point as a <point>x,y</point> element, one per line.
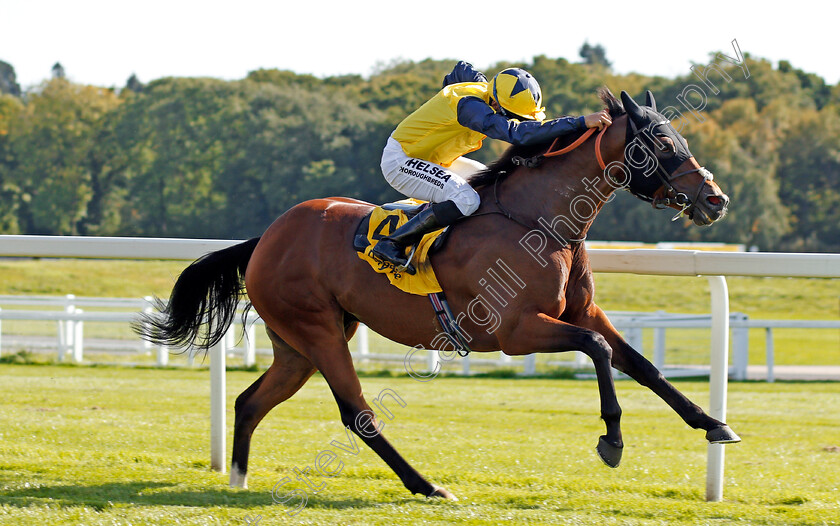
<point>201,157</point>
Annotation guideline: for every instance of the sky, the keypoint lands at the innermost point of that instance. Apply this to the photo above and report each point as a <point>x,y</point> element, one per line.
<point>104,42</point>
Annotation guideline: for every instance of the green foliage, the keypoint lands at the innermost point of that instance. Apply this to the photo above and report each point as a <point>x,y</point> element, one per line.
<point>201,149</point>
<point>10,109</point>
<point>49,166</point>
<point>594,55</point>
<point>8,80</point>
<point>176,155</point>
<point>23,358</point>
<point>809,166</point>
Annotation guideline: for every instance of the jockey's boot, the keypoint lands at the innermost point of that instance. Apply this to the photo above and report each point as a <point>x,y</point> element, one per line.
<point>392,248</point>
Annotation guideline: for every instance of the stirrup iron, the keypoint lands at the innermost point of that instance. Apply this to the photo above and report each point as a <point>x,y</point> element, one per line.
<point>404,267</point>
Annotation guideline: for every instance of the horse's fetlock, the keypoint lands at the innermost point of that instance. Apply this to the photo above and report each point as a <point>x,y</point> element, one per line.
<point>348,420</point>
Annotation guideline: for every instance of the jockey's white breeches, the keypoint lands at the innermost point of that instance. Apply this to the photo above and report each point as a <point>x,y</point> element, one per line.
<point>429,181</point>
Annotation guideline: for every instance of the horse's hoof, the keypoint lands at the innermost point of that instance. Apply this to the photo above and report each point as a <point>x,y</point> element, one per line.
<point>608,453</point>
<point>722,435</point>
<point>442,493</point>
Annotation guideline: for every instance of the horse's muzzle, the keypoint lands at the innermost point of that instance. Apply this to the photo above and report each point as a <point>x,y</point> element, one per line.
<point>709,208</point>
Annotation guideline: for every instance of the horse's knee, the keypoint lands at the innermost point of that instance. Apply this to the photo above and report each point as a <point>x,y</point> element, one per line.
<point>596,347</point>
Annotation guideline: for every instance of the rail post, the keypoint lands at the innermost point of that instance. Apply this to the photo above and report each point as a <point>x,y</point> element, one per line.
<point>217,406</point>
<point>362,345</point>
<point>718,379</point>
<point>530,365</point>
<point>250,342</point>
<point>659,344</point>
<point>78,337</point>
<point>434,360</point>
<point>770,358</point>
<point>740,347</point>
<point>147,345</point>
<point>580,360</point>
<point>66,338</point>
<point>162,356</point>
<point>635,338</point>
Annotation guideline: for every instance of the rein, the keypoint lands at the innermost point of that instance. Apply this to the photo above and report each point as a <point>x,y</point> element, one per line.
<point>532,162</point>
<point>580,140</point>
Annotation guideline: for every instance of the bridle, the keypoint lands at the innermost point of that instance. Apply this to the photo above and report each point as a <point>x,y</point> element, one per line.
<point>672,196</point>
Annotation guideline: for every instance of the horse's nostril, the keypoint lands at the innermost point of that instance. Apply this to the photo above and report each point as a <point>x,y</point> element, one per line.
<point>718,202</point>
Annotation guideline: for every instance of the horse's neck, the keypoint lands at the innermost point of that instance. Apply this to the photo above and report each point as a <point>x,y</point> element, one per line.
<point>565,194</point>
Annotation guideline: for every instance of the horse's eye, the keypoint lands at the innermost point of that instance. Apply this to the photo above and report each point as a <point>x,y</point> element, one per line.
<point>665,145</point>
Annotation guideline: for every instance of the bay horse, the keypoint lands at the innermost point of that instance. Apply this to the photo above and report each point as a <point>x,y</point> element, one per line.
<point>307,283</point>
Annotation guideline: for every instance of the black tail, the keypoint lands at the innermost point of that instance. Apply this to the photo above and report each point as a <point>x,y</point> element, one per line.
<point>203,302</point>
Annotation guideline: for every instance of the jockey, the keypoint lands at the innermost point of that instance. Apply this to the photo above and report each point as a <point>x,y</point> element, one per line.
<point>424,155</point>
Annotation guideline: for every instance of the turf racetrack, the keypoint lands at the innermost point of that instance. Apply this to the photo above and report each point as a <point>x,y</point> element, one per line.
<point>120,446</point>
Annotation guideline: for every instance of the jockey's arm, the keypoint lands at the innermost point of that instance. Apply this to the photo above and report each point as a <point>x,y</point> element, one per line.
<point>477,115</point>
<point>463,72</point>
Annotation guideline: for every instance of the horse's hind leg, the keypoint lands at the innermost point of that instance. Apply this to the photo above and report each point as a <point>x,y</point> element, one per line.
<point>328,351</point>
<point>287,374</point>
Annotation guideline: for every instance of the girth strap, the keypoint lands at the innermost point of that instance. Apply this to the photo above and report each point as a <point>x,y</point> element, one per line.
<point>448,323</point>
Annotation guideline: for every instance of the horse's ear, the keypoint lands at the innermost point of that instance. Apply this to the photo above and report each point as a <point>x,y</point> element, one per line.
<point>632,108</point>
<point>649,100</point>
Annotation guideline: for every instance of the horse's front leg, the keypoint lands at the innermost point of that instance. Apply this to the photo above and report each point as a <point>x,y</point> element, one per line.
<point>632,363</point>
<point>541,333</point>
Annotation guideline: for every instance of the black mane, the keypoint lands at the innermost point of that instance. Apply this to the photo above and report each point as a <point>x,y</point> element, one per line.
<point>504,165</point>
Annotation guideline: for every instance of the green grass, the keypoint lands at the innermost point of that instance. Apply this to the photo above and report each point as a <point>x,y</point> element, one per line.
<point>116,446</point>
<point>759,298</point>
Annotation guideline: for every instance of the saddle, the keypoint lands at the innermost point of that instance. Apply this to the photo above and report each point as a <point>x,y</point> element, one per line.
<point>382,221</point>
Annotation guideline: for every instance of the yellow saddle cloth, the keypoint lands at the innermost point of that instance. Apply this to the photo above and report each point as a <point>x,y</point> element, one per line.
<point>382,222</point>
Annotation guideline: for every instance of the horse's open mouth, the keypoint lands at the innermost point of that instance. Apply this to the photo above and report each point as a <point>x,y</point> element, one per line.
<point>700,217</point>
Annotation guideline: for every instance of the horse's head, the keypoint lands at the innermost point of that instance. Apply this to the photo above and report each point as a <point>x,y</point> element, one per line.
<point>662,169</point>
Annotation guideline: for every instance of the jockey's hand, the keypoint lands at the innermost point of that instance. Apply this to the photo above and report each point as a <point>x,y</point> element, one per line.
<point>598,120</point>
